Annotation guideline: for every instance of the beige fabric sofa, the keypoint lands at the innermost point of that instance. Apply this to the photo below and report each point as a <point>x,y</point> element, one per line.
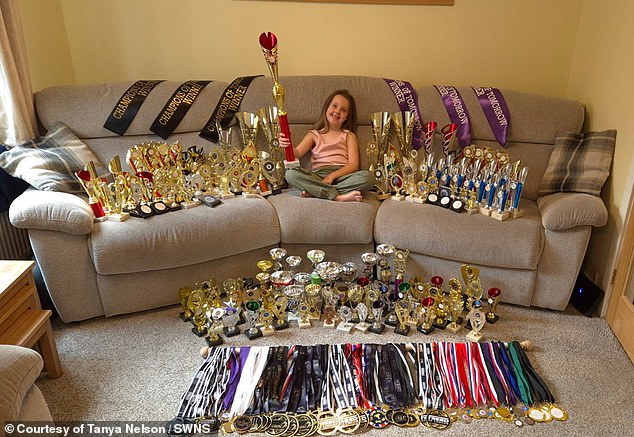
<point>20,399</point>
<point>93,269</point>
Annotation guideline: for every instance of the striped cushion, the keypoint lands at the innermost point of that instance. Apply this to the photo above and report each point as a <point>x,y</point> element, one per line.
<point>49,163</point>
<point>580,163</point>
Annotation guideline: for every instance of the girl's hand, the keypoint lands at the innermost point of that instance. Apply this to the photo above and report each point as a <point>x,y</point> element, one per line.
<point>328,179</point>
<point>284,142</point>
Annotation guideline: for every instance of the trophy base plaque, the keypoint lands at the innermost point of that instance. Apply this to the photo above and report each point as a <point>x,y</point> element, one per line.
<point>190,204</point>
<point>281,326</point>
<point>248,195</point>
<point>410,199</point>
<point>119,217</point>
<point>492,317</point>
<point>142,211</point>
<point>453,327</point>
<point>362,326</point>
<point>377,329</point>
<point>253,333</point>
<point>213,340</point>
<point>419,199</point>
<point>501,216</point>
<point>174,206</point>
<point>329,324</point>
<point>425,330</point>
<point>231,331</point>
<point>383,196</point>
<point>393,322</point>
<point>485,211</point>
<point>517,214</point>
<point>184,318</point>
<point>402,330</point>
<point>160,207</point>
<point>345,327</point>
<point>474,336</point>
<point>268,331</point>
<point>398,197</point>
<point>199,333</point>
<point>303,324</point>
<point>472,210</point>
<point>226,195</point>
<point>291,164</point>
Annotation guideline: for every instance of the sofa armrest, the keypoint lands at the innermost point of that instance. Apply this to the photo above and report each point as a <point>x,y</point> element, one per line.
<point>19,368</point>
<point>561,211</point>
<point>53,211</point>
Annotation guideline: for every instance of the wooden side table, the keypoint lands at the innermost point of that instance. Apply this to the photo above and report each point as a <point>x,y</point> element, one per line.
<point>23,322</point>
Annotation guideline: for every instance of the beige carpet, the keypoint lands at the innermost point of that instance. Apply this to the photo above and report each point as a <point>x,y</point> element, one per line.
<point>135,367</point>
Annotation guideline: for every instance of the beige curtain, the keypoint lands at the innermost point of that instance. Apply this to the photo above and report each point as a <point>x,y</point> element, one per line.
<point>15,83</point>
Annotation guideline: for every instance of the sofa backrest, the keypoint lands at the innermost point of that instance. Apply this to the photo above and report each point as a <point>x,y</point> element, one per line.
<point>535,119</point>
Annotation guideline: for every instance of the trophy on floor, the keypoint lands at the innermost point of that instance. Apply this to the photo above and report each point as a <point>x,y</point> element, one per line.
<point>251,316</point>
<point>279,309</point>
<point>476,319</point>
<point>402,310</point>
<point>377,309</point>
<point>230,320</point>
<point>429,314</point>
<point>362,312</point>
<point>493,300</point>
<point>268,43</point>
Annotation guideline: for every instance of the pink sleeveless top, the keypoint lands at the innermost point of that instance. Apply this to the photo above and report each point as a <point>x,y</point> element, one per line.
<point>335,153</point>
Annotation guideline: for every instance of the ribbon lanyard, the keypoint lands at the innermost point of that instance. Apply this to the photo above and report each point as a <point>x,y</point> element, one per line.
<point>507,392</point>
<point>254,366</point>
<point>446,372</point>
<point>507,368</point>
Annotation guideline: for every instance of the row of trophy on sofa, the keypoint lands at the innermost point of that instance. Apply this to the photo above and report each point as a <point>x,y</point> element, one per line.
<point>347,297</point>
<point>474,180</point>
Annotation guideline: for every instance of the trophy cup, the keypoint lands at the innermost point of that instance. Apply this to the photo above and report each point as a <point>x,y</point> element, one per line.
<point>268,42</point>
<point>249,123</point>
<point>428,135</point>
<point>477,320</point>
<point>493,300</point>
<point>345,314</point>
<point>362,311</point>
<point>369,259</point>
<point>404,128</point>
<point>277,254</point>
<point>213,339</point>
<point>230,320</point>
<point>270,122</point>
<point>95,202</point>
<point>315,256</point>
<point>380,131</point>
<point>312,296</point>
<point>279,308</point>
<point>448,138</point>
<point>377,309</point>
<point>120,190</point>
<point>329,314</point>
<point>293,262</point>
<point>429,314</point>
<point>402,312</point>
<point>251,316</point>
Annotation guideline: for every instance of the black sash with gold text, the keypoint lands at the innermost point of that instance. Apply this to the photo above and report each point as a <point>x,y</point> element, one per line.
<point>175,109</point>
<point>227,106</point>
<point>128,105</point>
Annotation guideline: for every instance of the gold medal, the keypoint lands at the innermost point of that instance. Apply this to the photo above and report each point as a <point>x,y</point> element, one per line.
<point>558,413</point>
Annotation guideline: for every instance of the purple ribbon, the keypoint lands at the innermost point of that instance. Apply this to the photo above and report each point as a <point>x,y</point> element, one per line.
<point>457,111</point>
<point>235,364</point>
<point>407,100</point>
<point>497,112</point>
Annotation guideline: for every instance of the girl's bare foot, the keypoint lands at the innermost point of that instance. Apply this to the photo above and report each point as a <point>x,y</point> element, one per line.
<point>353,196</point>
<point>305,194</point>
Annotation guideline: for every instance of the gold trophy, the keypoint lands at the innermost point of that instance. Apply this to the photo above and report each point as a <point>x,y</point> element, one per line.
<point>429,314</point>
<point>380,131</point>
<point>402,310</point>
<point>404,128</point>
<point>477,320</point>
<point>120,190</point>
<point>249,123</point>
<point>183,297</point>
<point>270,122</point>
<point>268,43</point>
<point>493,300</point>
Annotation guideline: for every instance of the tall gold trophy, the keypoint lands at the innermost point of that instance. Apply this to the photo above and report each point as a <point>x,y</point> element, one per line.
<point>268,42</point>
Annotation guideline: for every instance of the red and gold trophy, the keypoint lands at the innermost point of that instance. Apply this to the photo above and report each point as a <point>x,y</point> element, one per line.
<point>268,42</point>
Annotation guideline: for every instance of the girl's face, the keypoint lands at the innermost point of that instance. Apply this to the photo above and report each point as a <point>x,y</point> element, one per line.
<point>337,112</point>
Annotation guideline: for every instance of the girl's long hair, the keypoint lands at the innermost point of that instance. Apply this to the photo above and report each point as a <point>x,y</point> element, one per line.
<point>350,123</point>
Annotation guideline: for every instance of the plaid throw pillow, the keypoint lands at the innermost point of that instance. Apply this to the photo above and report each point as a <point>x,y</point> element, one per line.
<point>580,162</point>
<point>49,163</point>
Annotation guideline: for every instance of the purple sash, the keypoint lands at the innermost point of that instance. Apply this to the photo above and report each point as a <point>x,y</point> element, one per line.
<point>407,100</point>
<point>457,111</point>
<point>496,111</point>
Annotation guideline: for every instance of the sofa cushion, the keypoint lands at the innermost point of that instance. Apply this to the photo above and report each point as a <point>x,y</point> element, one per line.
<point>185,237</point>
<point>580,163</point>
<point>434,231</point>
<point>320,221</point>
<point>49,163</point>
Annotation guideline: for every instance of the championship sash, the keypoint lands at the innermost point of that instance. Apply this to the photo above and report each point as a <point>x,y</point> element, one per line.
<point>175,109</point>
<point>128,105</point>
<point>497,112</point>
<point>227,107</point>
<point>407,100</point>
<point>457,111</point>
